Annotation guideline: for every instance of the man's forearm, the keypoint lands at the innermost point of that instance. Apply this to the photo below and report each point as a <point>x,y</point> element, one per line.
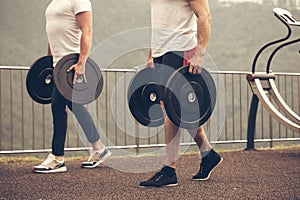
<point>84,21</point>
<point>85,46</point>
<point>203,34</point>
<point>201,10</point>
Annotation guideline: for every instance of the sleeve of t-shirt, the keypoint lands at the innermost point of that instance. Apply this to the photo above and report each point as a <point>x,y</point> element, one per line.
<point>81,6</point>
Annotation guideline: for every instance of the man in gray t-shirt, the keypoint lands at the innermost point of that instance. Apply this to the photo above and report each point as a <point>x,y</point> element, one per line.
<point>180,34</point>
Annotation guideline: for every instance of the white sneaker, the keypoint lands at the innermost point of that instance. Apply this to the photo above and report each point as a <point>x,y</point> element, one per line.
<point>50,165</point>
<point>96,158</point>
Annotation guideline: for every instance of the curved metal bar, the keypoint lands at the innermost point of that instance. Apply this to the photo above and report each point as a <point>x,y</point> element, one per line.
<point>263,98</point>
<point>276,50</point>
<point>289,113</point>
<point>272,43</point>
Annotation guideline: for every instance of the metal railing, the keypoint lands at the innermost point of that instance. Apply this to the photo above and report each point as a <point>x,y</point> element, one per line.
<point>26,126</point>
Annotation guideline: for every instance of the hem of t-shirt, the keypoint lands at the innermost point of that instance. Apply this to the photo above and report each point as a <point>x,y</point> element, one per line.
<point>56,60</point>
<point>159,54</point>
<point>83,10</point>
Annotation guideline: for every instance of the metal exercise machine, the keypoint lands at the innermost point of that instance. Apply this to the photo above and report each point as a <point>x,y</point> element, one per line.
<point>264,88</point>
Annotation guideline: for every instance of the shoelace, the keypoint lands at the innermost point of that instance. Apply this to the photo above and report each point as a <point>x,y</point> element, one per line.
<point>48,160</point>
<point>202,168</point>
<point>94,156</point>
<point>159,177</point>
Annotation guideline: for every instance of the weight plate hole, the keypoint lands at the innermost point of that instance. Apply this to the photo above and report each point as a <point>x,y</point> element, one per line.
<point>152,97</point>
<point>79,79</point>
<point>48,79</point>
<point>191,97</point>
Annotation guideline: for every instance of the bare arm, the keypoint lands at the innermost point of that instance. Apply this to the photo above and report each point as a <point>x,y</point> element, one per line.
<point>202,11</point>
<point>49,50</point>
<point>84,20</point>
<point>150,62</point>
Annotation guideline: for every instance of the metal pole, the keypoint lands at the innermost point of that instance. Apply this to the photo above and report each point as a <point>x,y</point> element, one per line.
<point>251,122</point>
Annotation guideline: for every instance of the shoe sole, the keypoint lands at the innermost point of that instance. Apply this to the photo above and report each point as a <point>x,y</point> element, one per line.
<point>152,186</point>
<point>204,179</point>
<point>58,170</point>
<point>97,163</point>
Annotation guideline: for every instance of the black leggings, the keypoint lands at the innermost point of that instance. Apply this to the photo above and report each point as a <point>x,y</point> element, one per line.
<point>59,113</point>
<point>167,64</point>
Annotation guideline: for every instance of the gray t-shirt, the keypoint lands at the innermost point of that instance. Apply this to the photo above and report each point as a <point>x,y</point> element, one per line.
<point>61,26</point>
<point>174,26</point>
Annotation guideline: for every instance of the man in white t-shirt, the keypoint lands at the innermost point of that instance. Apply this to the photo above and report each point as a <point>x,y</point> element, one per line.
<point>180,34</point>
<point>69,30</point>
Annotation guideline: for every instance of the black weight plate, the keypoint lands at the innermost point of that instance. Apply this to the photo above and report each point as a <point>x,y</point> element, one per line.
<point>143,95</point>
<point>189,99</point>
<point>80,92</point>
<point>39,81</point>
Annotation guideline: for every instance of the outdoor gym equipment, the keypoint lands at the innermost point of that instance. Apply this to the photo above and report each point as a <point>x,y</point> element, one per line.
<point>264,88</point>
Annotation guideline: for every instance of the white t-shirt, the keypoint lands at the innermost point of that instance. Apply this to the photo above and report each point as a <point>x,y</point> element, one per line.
<point>174,26</point>
<point>61,26</point>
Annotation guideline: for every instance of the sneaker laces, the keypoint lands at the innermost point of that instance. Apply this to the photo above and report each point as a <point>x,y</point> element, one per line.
<point>202,167</point>
<point>49,159</point>
<point>157,176</point>
<point>95,155</point>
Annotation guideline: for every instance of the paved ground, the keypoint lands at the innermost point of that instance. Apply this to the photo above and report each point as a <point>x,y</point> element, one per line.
<point>264,174</point>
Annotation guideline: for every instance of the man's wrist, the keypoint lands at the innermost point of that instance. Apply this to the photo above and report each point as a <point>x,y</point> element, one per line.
<point>200,50</point>
<point>81,60</point>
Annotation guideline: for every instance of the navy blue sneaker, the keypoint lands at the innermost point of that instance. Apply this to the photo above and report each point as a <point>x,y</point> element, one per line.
<point>165,177</point>
<point>208,164</point>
